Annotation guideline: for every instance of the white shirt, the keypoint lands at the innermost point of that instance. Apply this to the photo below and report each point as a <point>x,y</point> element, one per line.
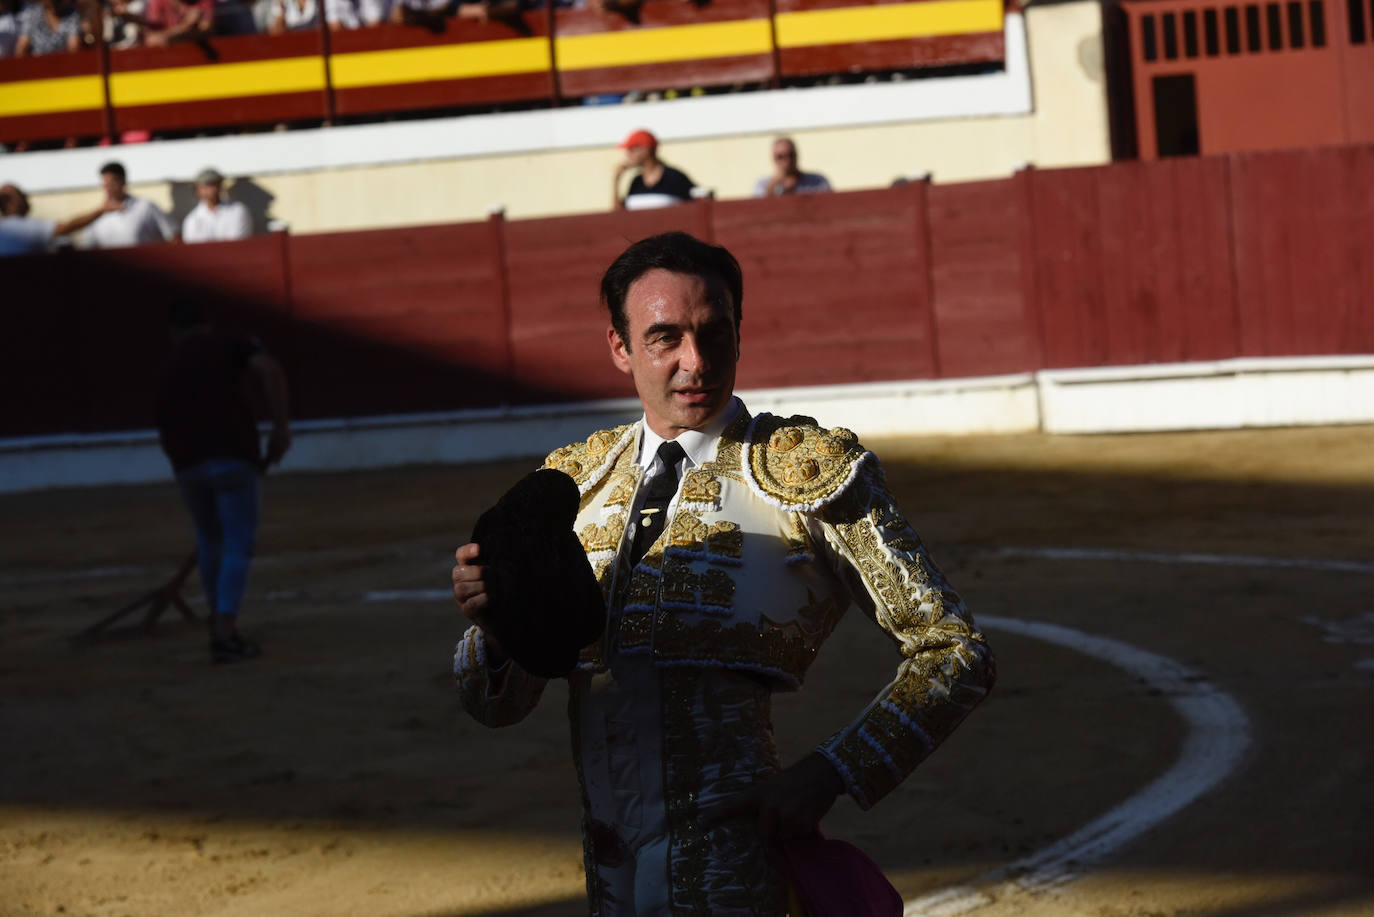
<point>295,15</point>
<point>9,34</point>
<point>137,223</point>
<point>25,235</point>
<point>699,446</point>
<point>807,183</point>
<point>355,14</point>
<point>228,221</point>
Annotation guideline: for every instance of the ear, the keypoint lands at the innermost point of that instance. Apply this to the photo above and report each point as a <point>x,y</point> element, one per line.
<point>620,352</point>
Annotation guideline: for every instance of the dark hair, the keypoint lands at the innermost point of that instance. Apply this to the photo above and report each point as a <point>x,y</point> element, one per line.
<point>113,168</point>
<point>679,253</point>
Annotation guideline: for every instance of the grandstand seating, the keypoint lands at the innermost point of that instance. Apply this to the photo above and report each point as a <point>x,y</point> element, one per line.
<point>549,57</point>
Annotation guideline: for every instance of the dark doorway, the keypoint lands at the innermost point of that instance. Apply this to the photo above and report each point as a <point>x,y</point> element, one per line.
<point>1176,115</point>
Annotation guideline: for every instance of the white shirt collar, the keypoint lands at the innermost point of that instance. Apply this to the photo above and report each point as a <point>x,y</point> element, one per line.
<point>700,445</point>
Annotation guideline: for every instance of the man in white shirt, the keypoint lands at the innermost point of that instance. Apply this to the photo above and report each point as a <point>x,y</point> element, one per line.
<point>787,177</point>
<point>133,221</point>
<point>21,234</point>
<point>215,219</point>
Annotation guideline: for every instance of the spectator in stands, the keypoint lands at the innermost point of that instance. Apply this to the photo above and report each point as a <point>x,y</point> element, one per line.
<point>124,23</point>
<point>293,15</point>
<point>356,14</point>
<point>215,219</point>
<point>657,184</point>
<point>429,14</point>
<point>787,178</point>
<point>21,234</point>
<point>9,27</point>
<point>167,21</point>
<point>48,27</point>
<point>132,221</point>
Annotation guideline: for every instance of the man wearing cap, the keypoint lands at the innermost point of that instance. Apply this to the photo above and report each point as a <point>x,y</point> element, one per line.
<point>727,546</point>
<point>215,219</point>
<point>657,184</point>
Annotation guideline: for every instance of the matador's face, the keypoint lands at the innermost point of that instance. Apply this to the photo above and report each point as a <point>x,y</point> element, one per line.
<point>682,350</point>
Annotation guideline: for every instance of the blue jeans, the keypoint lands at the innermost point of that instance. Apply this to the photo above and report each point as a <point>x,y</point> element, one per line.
<point>222,495</point>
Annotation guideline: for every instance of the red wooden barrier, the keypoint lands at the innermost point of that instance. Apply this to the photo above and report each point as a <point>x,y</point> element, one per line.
<point>1193,259</point>
<point>835,286</point>
<point>397,320</point>
<point>983,325</point>
<point>1132,263</point>
<point>1304,278</point>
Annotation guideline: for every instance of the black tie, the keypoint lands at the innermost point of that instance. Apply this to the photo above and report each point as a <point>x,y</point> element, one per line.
<point>654,512</point>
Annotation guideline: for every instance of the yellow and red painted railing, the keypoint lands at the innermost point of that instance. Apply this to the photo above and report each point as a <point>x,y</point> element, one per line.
<point>543,57</point>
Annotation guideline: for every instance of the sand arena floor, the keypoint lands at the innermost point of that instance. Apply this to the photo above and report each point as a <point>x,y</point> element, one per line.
<point>337,775</point>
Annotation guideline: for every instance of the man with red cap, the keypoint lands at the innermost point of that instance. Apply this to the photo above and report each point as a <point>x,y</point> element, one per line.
<point>657,184</point>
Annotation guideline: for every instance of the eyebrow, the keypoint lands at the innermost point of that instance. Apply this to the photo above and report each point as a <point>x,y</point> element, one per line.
<point>660,328</point>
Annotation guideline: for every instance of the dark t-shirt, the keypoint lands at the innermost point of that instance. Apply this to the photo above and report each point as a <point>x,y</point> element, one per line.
<point>203,407</point>
<point>672,182</point>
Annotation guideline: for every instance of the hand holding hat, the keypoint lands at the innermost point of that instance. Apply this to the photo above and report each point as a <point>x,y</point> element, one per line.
<point>543,601</point>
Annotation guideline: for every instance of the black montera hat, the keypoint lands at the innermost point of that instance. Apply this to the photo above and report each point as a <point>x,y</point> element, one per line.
<point>543,601</point>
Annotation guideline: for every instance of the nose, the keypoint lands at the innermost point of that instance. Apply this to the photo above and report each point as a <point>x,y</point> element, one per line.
<point>692,357</point>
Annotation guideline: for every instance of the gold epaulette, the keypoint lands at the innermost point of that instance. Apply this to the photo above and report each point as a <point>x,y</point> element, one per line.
<point>796,464</point>
<point>587,462</point>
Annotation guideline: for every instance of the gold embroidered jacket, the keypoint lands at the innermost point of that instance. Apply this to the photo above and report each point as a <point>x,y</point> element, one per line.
<point>767,546</point>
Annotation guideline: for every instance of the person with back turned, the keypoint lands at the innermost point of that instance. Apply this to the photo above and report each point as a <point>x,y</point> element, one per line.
<point>206,426</point>
<point>727,546</point>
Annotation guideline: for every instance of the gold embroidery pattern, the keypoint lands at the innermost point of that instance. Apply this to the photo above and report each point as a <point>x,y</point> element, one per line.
<point>687,534</point>
<point>635,631</point>
<point>724,868</point>
<point>622,493</point>
<point>581,461</point>
<point>679,584</point>
<point>725,543</point>
<point>799,546</point>
<point>717,590</point>
<point>798,464</point>
<point>780,651</point>
<point>726,464</point>
<point>948,668</point>
<point>683,770</point>
<point>598,538</point>
<point>700,492</point>
<point>710,591</point>
<point>642,591</point>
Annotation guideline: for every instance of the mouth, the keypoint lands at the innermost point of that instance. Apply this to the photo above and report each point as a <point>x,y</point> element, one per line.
<point>696,395</point>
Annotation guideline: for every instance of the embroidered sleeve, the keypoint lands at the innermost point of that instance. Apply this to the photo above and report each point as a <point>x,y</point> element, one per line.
<point>946,666</point>
<point>494,698</point>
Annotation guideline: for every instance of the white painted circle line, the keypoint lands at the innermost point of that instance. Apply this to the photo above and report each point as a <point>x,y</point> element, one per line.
<point>1219,734</point>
